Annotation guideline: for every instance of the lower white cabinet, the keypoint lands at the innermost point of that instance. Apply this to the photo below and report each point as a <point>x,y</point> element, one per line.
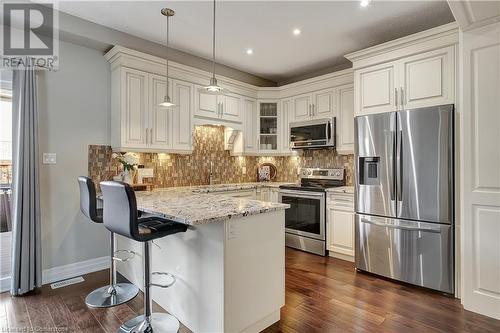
<point>340,225</point>
<point>274,195</point>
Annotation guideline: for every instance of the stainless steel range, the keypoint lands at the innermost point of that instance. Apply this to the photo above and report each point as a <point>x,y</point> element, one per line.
<point>305,221</point>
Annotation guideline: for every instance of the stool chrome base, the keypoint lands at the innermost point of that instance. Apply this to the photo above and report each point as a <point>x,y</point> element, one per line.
<point>106,296</point>
<point>158,323</point>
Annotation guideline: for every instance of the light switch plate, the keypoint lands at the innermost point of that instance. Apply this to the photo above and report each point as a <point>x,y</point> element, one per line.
<point>49,158</point>
<point>244,170</point>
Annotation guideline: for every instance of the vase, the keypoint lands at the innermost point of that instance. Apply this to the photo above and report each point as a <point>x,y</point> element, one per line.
<point>128,177</point>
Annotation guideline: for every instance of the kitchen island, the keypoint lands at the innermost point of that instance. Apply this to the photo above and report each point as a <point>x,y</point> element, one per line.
<point>229,265</point>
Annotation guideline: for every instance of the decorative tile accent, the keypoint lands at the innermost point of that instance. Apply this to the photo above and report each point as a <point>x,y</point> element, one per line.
<point>208,143</point>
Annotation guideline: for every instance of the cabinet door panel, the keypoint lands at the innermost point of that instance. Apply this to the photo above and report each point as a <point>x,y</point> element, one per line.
<point>375,89</point>
<point>427,79</point>
<point>324,104</point>
<point>343,232</point>
<point>231,106</point>
<point>301,107</point>
<point>250,125</point>
<point>285,125</point>
<point>134,108</point>
<point>182,124</point>
<point>160,117</point>
<point>206,104</point>
<point>345,134</point>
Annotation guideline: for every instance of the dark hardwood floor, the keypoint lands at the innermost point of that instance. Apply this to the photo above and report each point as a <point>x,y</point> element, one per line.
<point>322,295</point>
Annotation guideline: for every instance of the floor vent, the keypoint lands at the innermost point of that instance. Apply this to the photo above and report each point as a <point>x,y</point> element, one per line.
<point>67,282</point>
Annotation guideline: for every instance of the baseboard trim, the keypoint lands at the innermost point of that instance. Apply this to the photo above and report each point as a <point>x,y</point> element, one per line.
<point>4,284</point>
<point>59,273</point>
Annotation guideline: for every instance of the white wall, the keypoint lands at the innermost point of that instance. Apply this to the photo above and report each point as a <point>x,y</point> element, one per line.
<point>74,111</point>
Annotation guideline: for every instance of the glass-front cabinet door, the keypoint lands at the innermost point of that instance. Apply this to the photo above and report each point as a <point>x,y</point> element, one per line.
<point>268,127</point>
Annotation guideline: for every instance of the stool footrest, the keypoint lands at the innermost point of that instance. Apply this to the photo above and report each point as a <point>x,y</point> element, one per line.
<point>171,276</point>
<point>131,254</point>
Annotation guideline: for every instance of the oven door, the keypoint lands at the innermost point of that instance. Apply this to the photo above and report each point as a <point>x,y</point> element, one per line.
<point>306,215</point>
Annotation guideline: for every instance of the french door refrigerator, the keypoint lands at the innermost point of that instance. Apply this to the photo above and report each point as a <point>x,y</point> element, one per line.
<point>404,197</point>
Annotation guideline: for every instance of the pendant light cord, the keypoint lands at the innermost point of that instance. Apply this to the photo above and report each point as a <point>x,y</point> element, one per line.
<point>168,40</point>
<point>213,45</point>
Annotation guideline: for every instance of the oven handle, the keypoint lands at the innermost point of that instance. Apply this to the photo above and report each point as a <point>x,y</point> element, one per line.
<point>302,194</point>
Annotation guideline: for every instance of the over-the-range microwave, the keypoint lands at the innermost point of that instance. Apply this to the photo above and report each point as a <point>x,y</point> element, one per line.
<point>313,134</point>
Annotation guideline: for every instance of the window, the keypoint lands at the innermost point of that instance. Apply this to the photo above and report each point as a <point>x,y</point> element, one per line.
<point>5,172</point>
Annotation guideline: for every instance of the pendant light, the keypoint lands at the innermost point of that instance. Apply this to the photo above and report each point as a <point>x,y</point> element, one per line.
<point>213,87</point>
<point>167,102</point>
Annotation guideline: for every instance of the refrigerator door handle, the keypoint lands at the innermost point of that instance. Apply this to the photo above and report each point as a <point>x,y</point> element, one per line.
<point>391,179</point>
<point>436,229</point>
<point>399,176</point>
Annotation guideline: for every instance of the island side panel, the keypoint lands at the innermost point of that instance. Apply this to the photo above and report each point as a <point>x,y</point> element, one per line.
<point>254,267</point>
<point>196,258</point>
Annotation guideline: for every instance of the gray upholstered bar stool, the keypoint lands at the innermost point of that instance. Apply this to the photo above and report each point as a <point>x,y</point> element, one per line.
<point>121,217</point>
<point>114,293</point>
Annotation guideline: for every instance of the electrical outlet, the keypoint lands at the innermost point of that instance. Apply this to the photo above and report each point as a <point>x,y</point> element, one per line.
<point>244,170</point>
<point>49,158</point>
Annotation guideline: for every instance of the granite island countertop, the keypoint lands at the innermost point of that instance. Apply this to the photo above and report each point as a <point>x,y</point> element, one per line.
<point>195,205</point>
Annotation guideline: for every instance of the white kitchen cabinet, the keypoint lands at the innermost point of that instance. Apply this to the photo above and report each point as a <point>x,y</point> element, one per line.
<point>182,115</point>
<point>421,80</point>
<point>302,107</point>
<point>345,120</point>
<point>268,127</point>
<point>130,109</point>
<point>340,225</point>
<point>285,125</point>
<point>323,105</point>
<point>207,105</point>
<point>315,105</point>
<point>375,90</point>
<point>274,195</point>
<point>159,135</point>
<point>427,79</point>
<point>250,125</point>
<point>218,107</point>
<point>230,107</point>
<point>138,122</point>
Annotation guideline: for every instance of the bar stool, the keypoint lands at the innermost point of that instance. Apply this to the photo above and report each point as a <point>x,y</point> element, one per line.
<point>114,293</point>
<point>120,216</point>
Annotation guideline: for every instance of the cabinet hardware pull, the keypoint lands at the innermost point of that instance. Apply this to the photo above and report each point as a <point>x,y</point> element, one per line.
<point>396,97</point>
<point>151,135</point>
<point>402,97</point>
<point>147,135</point>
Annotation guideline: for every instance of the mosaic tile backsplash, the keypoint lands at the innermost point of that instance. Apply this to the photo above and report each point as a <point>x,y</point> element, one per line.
<point>208,146</point>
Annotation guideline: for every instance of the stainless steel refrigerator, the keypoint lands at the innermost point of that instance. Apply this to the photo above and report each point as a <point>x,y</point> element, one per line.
<point>404,175</point>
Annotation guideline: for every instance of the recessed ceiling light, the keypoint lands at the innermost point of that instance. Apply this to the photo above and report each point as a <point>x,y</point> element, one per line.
<point>296,31</point>
<point>249,51</point>
<point>365,3</point>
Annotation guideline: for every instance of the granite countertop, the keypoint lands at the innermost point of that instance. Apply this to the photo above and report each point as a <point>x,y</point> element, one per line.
<point>236,186</point>
<point>341,189</point>
<point>183,205</point>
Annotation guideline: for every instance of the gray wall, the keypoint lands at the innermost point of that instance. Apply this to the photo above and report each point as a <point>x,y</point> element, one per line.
<point>74,111</point>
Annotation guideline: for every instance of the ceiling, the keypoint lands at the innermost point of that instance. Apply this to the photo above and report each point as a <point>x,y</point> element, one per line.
<point>330,29</point>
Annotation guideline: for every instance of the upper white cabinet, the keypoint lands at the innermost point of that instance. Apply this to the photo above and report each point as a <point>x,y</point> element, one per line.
<point>218,107</point>
<point>130,113</point>
<point>375,89</point>
<point>319,104</point>
<point>411,72</point>
<point>139,123</point>
<point>250,125</point>
<point>268,127</point>
<point>345,120</point>
<point>286,116</point>
<point>427,79</point>
<point>182,122</point>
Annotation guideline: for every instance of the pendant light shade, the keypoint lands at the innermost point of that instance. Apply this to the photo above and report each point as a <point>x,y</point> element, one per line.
<point>213,87</point>
<point>167,101</point>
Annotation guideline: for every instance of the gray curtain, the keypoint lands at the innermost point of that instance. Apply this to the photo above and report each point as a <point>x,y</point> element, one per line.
<point>26,248</point>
